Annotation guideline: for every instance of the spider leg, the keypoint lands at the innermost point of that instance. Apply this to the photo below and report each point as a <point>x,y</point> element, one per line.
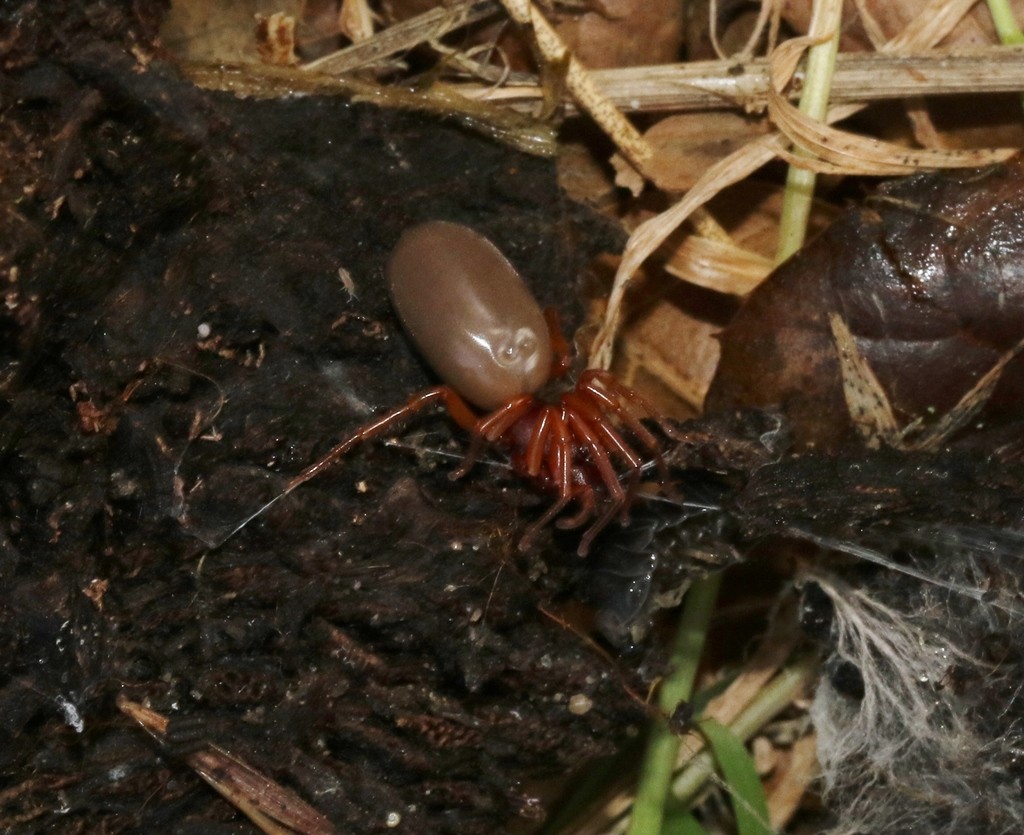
<point>599,458</point>
<point>587,505</point>
<point>417,403</point>
<point>601,423</point>
<point>560,466</point>
<point>603,427</point>
<point>592,385</point>
<point>614,387</point>
<point>599,525</point>
<point>605,389</point>
<point>491,427</point>
<point>561,456</point>
<point>560,349</point>
<point>618,499</point>
<point>534,455</point>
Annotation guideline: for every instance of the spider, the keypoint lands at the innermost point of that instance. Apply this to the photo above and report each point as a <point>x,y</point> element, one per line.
<point>472,317</point>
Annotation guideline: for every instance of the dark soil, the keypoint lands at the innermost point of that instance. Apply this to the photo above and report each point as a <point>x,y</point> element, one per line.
<point>193,313</point>
<point>177,342</point>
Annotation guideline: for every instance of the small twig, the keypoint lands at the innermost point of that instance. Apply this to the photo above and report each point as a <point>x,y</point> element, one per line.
<point>405,35</point>
<point>272,807</point>
<point>580,83</point>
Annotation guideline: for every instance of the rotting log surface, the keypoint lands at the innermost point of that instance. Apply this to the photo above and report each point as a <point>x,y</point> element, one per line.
<point>177,342</point>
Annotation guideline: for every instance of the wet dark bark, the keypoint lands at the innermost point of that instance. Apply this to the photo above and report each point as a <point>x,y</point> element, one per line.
<point>177,342</point>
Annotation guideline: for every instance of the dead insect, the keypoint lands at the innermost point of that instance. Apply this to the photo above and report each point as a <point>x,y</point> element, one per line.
<point>472,317</point>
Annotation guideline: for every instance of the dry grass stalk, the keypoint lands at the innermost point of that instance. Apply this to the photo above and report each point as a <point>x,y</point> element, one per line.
<point>272,808</point>
<point>712,85</point>
<point>787,792</point>
<point>930,27</point>
<point>833,151</point>
<point>719,266</point>
<point>651,234</point>
<point>434,24</point>
<point>581,84</point>
<point>405,35</point>
<point>264,81</point>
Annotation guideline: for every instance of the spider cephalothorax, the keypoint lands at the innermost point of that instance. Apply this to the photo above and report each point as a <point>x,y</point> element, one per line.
<point>472,317</point>
<point>570,447</point>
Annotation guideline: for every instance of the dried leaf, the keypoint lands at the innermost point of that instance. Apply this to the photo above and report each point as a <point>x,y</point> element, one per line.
<point>355,20</point>
<point>686,145</point>
<point>840,152</point>
<point>937,19</point>
<point>197,30</point>
<point>623,33</point>
<point>275,39</point>
<point>925,276</point>
<point>676,349</point>
<point>866,400</point>
<point>872,413</point>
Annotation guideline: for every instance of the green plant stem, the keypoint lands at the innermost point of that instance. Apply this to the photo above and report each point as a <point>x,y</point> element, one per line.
<point>769,702</point>
<point>1006,25</point>
<point>821,62</point>
<point>662,744</point>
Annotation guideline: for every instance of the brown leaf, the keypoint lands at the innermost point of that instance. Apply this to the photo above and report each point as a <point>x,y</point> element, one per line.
<point>926,277</point>
<point>686,145</point>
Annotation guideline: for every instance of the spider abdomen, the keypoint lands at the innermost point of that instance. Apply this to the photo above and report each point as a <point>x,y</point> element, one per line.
<point>469,313</point>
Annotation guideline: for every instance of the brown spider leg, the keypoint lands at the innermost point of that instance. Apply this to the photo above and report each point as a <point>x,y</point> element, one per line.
<point>460,411</point>
<point>534,455</point>
<point>599,525</point>
<point>619,502</point>
<point>454,403</point>
<point>600,424</point>
<point>491,427</point>
<point>560,467</point>
<point>599,458</point>
<point>587,388</point>
<point>560,348</point>
<point>613,386</point>
<point>588,506</point>
<point>446,394</point>
<point>619,499</point>
<point>561,456</point>
<point>586,511</point>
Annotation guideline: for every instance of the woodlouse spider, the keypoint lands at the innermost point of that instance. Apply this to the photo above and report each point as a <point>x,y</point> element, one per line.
<point>472,317</point>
